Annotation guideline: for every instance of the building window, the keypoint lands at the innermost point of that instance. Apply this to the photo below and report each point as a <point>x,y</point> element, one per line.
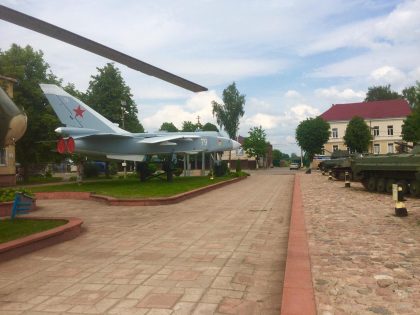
<point>376,148</point>
<point>390,148</point>
<point>335,147</point>
<point>390,130</point>
<point>3,156</point>
<point>334,133</point>
<point>323,150</point>
<point>376,131</point>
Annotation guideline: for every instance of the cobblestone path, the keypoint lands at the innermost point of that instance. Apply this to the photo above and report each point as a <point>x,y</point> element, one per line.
<point>364,259</point>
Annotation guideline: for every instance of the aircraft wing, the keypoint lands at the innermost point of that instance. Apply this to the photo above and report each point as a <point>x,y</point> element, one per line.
<point>103,136</point>
<point>168,138</point>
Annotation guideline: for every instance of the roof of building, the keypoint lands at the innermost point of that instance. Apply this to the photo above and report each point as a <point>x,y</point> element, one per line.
<point>368,110</point>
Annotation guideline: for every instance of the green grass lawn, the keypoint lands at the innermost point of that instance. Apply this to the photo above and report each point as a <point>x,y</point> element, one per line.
<point>41,180</point>
<point>14,229</point>
<point>133,188</point>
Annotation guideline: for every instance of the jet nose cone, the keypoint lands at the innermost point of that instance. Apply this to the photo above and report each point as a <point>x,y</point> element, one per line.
<point>235,145</point>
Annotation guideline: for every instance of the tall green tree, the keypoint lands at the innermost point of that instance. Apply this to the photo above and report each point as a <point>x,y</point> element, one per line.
<point>412,95</point>
<point>278,156</point>
<point>71,89</point>
<point>209,127</point>
<point>381,93</point>
<point>312,134</point>
<point>255,144</point>
<point>230,111</point>
<point>110,96</point>
<point>357,136</point>
<point>189,126</point>
<point>30,69</point>
<point>411,125</point>
<point>169,127</point>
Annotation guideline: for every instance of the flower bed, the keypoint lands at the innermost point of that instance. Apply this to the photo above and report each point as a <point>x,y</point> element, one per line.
<point>6,200</point>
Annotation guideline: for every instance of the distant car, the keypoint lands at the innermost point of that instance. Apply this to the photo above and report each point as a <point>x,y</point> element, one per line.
<point>294,166</point>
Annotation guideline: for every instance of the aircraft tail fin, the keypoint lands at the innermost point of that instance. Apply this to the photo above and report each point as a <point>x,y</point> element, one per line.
<point>74,113</point>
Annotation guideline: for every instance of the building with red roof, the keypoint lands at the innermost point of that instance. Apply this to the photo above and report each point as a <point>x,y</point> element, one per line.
<point>385,119</point>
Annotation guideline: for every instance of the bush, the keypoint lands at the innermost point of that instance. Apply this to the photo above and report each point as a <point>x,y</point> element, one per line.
<point>112,168</point>
<point>238,166</point>
<point>90,170</point>
<point>239,174</point>
<point>9,194</point>
<point>177,171</point>
<point>220,168</point>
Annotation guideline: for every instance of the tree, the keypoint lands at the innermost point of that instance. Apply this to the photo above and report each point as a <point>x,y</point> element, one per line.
<point>276,157</point>
<point>381,93</point>
<point>312,134</point>
<point>412,95</point>
<point>256,143</point>
<point>230,111</point>
<point>357,136</point>
<point>188,126</point>
<point>209,127</point>
<point>169,127</point>
<point>71,89</point>
<point>111,97</point>
<point>30,69</point>
<point>276,154</point>
<point>411,125</point>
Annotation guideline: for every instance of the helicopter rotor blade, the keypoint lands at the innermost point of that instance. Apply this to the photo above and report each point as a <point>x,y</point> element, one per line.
<point>66,36</point>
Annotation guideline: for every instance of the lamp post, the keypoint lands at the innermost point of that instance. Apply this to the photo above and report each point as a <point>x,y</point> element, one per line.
<point>301,158</point>
<point>123,104</point>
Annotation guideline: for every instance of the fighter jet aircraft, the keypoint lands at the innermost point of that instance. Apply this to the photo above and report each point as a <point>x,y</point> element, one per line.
<point>88,132</point>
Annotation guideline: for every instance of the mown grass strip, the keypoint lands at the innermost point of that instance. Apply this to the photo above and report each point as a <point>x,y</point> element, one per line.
<point>17,228</point>
<point>133,188</point>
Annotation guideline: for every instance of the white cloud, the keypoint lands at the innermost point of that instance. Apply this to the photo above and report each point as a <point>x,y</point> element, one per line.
<point>289,118</point>
<point>292,94</point>
<point>400,26</point>
<point>196,105</point>
<point>387,74</point>
<point>302,111</point>
<point>346,94</point>
<point>222,70</point>
<point>263,120</point>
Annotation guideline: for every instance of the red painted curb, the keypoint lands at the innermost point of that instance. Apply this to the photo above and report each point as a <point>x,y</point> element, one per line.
<point>40,240</point>
<point>136,202</point>
<point>298,293</point>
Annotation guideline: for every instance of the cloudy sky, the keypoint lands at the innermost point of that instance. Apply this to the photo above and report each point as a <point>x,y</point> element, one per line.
<point>292,59</point>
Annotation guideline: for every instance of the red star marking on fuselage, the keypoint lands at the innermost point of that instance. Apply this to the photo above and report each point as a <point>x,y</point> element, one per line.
<point>79,111</point>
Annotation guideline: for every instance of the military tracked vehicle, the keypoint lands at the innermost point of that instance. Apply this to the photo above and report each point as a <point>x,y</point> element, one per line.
<point>339,164</point>
<point>380,172</point>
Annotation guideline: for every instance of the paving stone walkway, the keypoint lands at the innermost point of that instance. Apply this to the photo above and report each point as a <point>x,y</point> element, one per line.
<point>219,253</point>
<point>364,259</point>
